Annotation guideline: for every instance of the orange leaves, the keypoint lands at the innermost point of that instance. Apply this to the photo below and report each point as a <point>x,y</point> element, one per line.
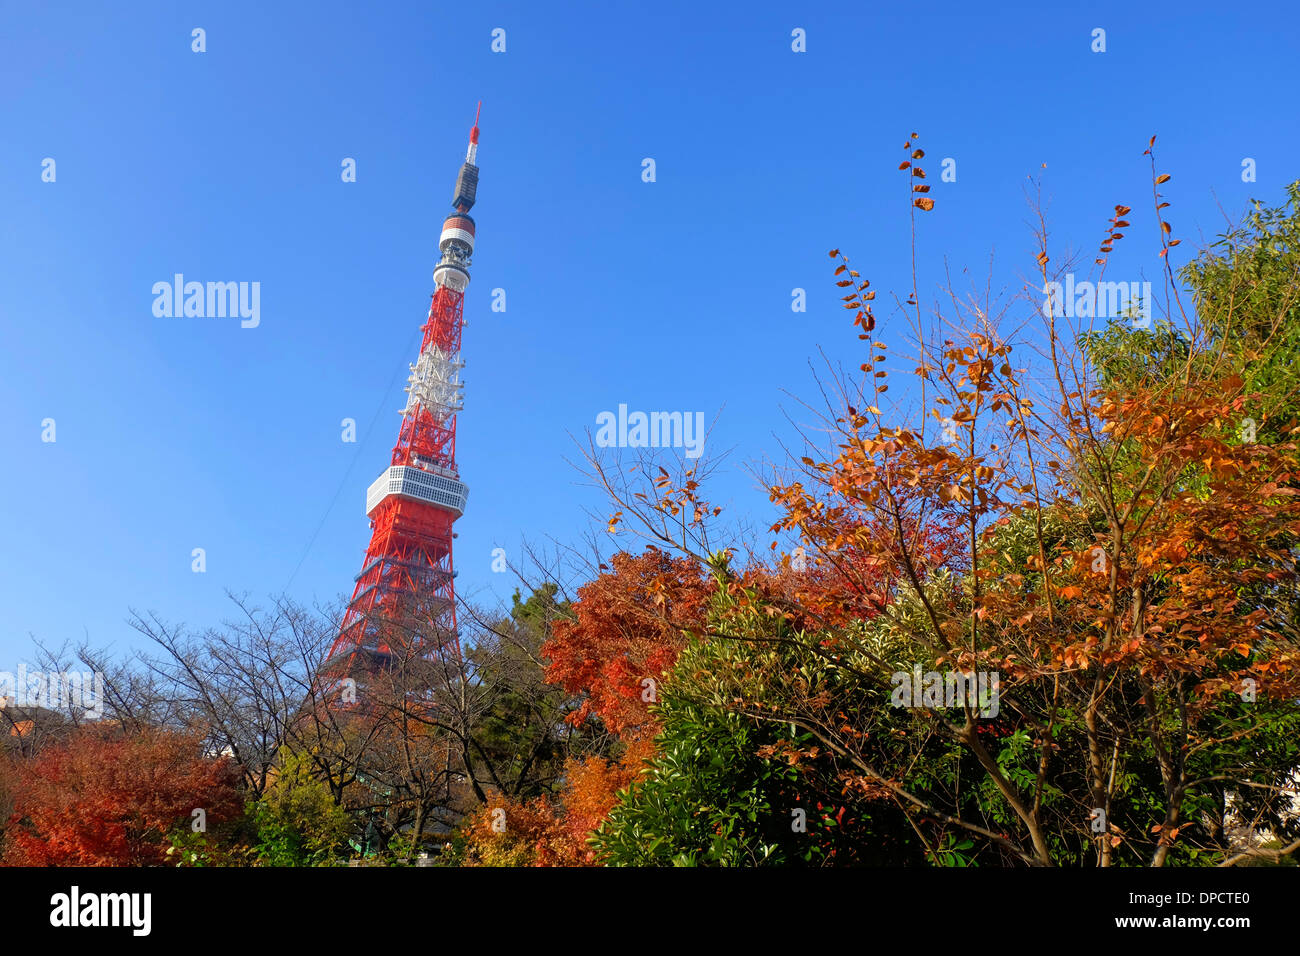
<point>1173,546</point>
<point>963,493</point>
<point>103,799</point>
<point>858,299</point>
<point>921,202</point>
<point>545,832</point>
<point>628,627</point>
<point>1165,227</point>
<point>1117,222</point>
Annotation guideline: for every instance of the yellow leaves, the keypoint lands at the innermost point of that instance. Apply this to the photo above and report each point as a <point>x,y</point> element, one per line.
<point>1162,178</point>
<point>924,203</point>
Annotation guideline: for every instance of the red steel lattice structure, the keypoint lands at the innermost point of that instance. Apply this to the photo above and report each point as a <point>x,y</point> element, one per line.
<point>413,504</point>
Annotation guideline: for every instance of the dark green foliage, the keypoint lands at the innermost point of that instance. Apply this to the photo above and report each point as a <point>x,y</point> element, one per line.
<point>729,790</point>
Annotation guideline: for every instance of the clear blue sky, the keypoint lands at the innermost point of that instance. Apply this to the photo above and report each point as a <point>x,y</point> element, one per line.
<point>176,433</point>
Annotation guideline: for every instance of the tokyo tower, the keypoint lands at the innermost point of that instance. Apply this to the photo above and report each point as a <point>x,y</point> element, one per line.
<point>407,574</point>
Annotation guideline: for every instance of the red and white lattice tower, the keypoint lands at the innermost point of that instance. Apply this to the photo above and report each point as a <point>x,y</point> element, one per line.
<point>414,502</point>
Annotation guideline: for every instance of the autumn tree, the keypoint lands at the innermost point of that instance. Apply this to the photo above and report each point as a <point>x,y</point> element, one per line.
<point>725,789</point>
<point>110,799</point>
<point>628,626</point>
<point>1124,548</point>
<point>607,653</point>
